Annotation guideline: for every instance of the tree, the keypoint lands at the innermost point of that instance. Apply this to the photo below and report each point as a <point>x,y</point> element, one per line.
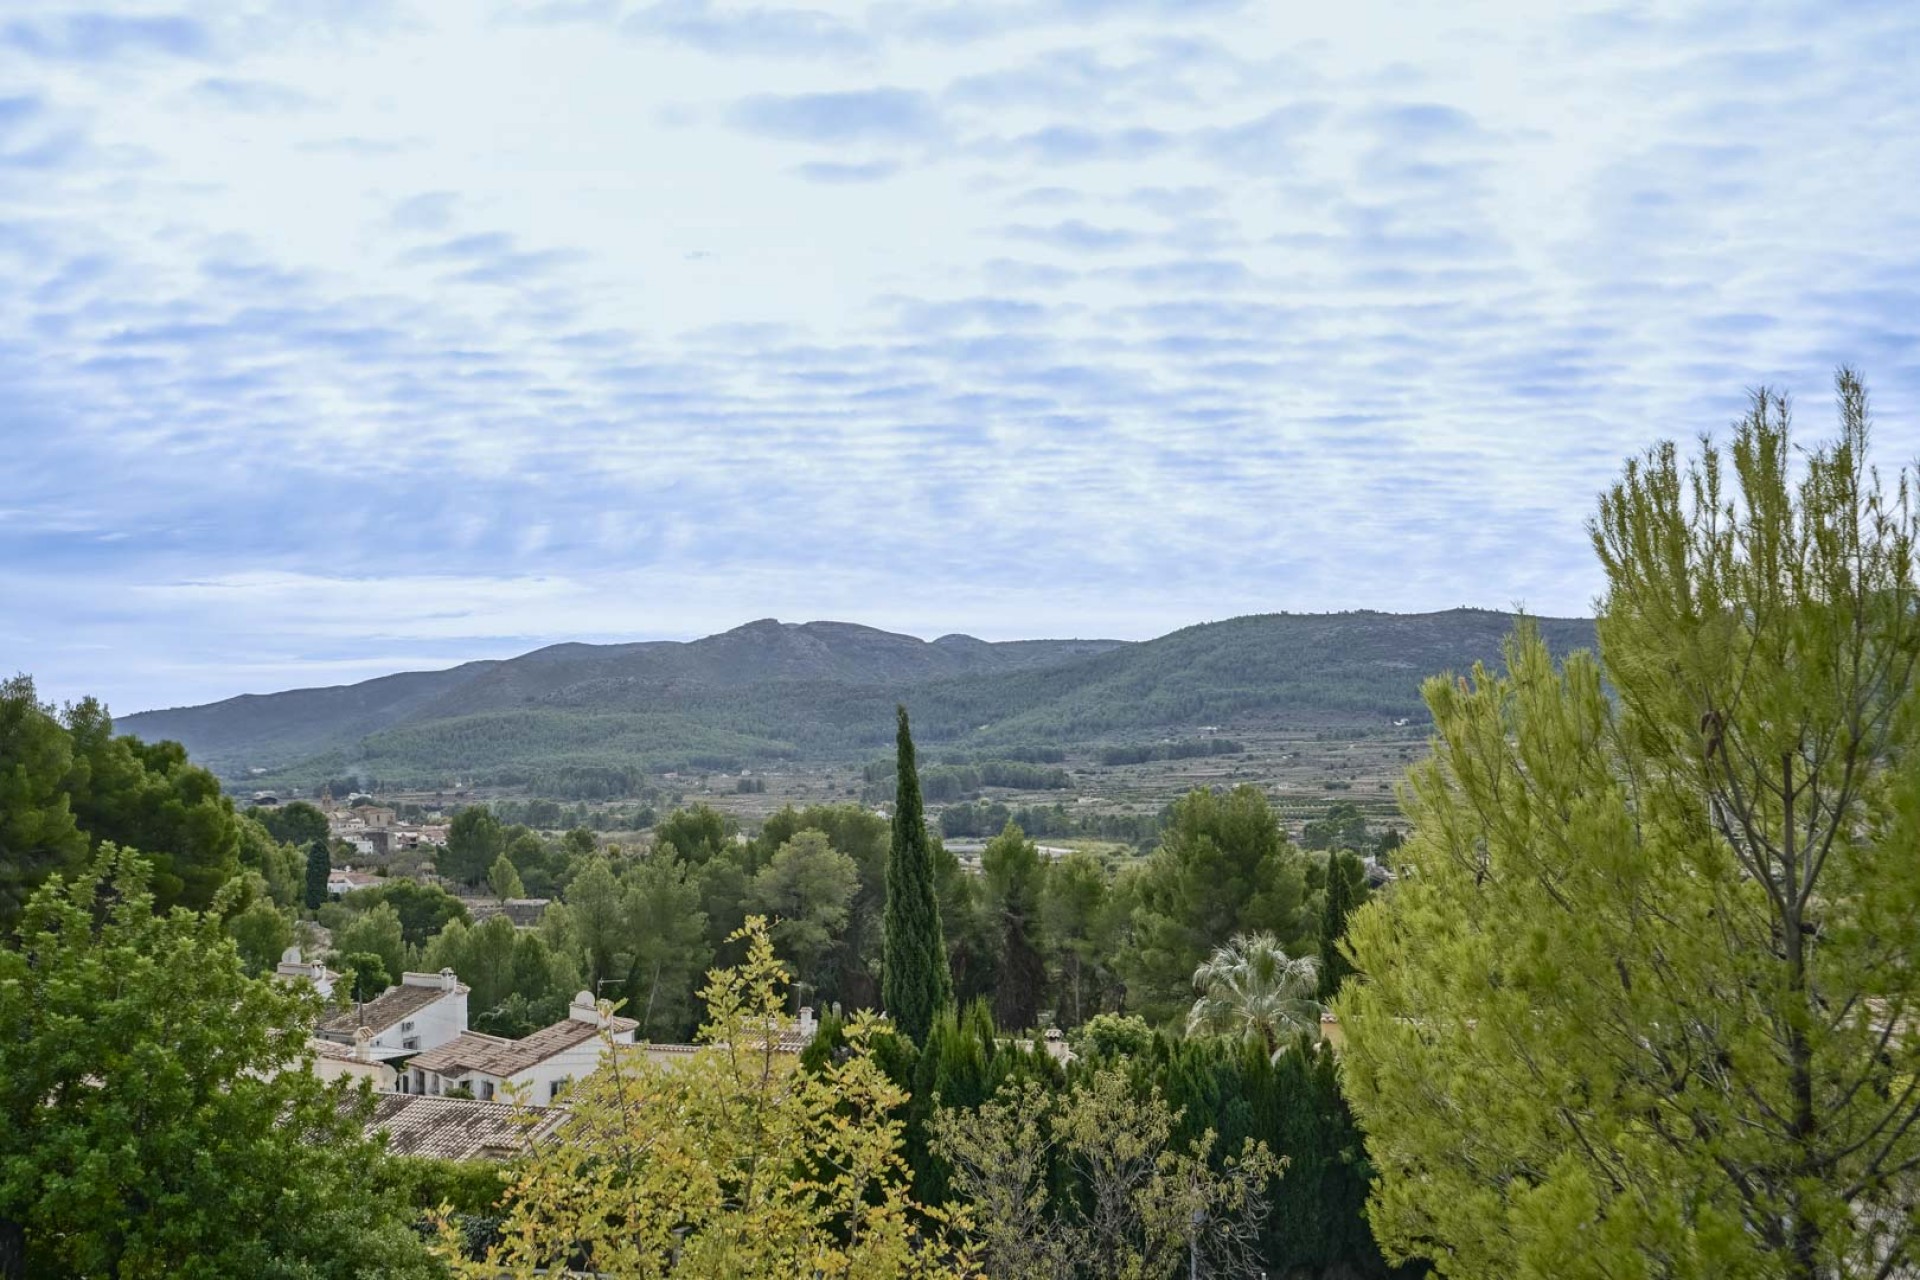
<point>806,888</point>
<point>38,834</point>
<point>158,1119</point>
<point>915,983</point>
<point>424,909</point>
<point>1145,1208</point>
<point>598,922</point>
<point>696,835</point>
<point>733,1163</point>
<point>865,837</point>
<point>367,975</point>
<point>147,796</point>
<point>376,931</point>
<point>504,880</point>
<point>1252,989</point>
<point>295,823</point>
<point>1222,868</point>
<point>514,979</point>
<point>1010,868</point>
<point>1343,826</point>
<point>474,840</point>
<point>319,869</point>
<point>1079,928</point>
<point>261,933</point>
<point>669,947</point>
<point>1643,1001</point>
<point>282,866</point>
<point>1346,889</point>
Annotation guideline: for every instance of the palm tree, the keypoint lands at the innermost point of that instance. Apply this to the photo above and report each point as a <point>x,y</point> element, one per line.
<point>1251,987</point>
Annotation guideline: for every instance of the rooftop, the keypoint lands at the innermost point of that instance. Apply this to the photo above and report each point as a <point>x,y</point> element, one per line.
<point>415,992</point>
<point>457,1129</point>
<point>474,1051</point>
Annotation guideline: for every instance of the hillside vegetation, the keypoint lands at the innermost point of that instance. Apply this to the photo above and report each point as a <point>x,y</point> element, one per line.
<point>590,719</point>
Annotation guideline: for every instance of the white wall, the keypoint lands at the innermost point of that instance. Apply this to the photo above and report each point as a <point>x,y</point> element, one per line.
<point>439,1022</point>
<point>535,1084</point>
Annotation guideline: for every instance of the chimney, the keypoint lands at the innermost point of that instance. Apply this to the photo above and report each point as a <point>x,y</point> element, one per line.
<point>582,1009</point>
<point>807,1026</point>
<point>447,981</point>
<point>362,1042</point>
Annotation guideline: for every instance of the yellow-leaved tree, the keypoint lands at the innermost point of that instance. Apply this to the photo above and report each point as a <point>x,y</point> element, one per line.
<point>735,1162</point>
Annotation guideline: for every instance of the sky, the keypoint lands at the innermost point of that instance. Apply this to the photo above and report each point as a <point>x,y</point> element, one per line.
<point>339,338</point>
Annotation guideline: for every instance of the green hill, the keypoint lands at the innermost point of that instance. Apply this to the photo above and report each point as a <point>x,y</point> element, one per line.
<point>593,719</point>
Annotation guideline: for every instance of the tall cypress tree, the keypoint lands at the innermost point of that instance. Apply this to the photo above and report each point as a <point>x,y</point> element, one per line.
<point>1343,876</point>
<point>915,984</point>
<point>319,866</point>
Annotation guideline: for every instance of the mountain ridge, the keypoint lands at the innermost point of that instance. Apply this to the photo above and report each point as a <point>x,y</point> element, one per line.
<point>768,690</point>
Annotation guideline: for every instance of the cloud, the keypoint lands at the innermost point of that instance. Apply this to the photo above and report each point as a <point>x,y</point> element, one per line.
<point>1004,330</point>
<point>861,115</point>
<point>750,30</point>
<point>835,173</point>
<point>1079,144</point>
<point>427,211</point>
<point>261,96</point>
<point>102,37</point>
<point>1269,143</point>
<point>1077,235</point>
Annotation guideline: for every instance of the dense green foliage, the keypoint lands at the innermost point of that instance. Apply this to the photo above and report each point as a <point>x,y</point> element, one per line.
<point>1346,890</point>
<point>474,840</point>
<point>157,1119</point>
<point>423,909</point>
<point>319,867</point>
<point>296,823</point>
<point>1644,1002</point>
<point>1289,1102</point>
<point>68,785</point>
<point>916,983</point>
<point>1223,868</point>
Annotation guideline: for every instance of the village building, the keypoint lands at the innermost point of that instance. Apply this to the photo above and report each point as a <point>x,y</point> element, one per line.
<point>293,969</point>
<point>333,1061</point>
<point>345,880</point>
<point>536,1069</point>
<point>425,1011</point>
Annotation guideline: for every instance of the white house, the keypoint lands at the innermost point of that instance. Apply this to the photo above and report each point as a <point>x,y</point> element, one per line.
<point>345,879</point>
<point>332,1061</point>
<point>293,969</point>
<point>425,1011</point>
<point>539,1067</point>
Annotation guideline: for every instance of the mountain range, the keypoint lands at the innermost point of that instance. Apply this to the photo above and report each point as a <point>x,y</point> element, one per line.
<point>587,719</point>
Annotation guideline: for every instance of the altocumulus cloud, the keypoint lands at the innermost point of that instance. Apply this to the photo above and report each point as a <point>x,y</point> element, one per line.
<point>483,327</point>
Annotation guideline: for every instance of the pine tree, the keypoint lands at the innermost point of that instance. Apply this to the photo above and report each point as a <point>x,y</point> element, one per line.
<point>1010,870</point>
<point>319,867</point>
<point>916,985</point>
<point>1643,1001</point>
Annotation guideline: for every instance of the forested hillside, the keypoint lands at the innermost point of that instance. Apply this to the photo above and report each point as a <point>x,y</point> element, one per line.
<point>587,719</point>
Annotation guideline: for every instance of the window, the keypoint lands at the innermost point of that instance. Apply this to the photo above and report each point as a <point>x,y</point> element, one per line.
<point>557,1087</point>
<point>411,1042</point>
<point>486,1091</point>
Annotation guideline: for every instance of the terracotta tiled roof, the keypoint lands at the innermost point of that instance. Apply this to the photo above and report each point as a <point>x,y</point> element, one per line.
<point>330,1049</point>
<point>396,1006</point>
<point>457,1129</point>
<point>473,1051</point>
